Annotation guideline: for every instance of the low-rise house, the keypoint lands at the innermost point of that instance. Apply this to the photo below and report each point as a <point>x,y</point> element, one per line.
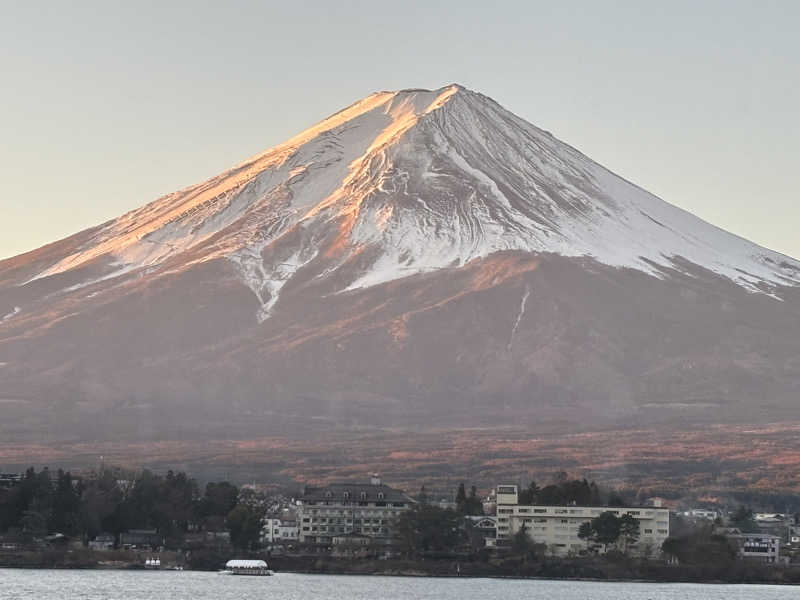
<point>794,535</point>
<point>702,513</point>
<point>102,541</point>
<point>8,480</point>
<point>775,524</point>
<point>482,531</point>
<point>355,545</point>
<point>557,526</point>
<point>141,538</point>
<point>444,504</point>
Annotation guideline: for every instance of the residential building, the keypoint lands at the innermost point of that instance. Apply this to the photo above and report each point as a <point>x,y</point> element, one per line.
<point>8,480</point>
<point>779,524</point>
<point>557,526</point>
<point>103,541</point>
<point>702,513</point>
<point>141,538</point>
<point>367,509</point>
<point>759,547</point>
<point>444,503</point>
<point>278,531</point>
<point>482,531</point>
<point>354,545</point>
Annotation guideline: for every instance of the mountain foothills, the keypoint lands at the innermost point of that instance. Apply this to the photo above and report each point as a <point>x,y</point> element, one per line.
<point>419,260</point>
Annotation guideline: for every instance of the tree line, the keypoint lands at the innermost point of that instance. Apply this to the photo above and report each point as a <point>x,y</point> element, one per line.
<point>114,501</point>
<point>563,492</point>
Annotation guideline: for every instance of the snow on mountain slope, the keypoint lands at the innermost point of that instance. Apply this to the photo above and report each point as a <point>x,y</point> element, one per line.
<point>410,182</point>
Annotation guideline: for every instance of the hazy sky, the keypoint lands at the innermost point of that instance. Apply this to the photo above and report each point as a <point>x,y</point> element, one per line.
<point>107,105</point>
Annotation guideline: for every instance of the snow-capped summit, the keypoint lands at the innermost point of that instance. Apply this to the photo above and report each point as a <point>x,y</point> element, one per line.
<point>422,257</point>
<point>419,180</point>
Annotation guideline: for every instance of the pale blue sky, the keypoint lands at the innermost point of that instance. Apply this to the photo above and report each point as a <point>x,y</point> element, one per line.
<point>106,105</point>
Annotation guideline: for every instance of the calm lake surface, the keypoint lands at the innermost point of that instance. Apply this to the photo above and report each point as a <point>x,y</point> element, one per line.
<point>187,585</point>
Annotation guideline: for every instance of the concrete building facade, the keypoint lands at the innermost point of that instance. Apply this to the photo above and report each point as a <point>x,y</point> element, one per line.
<point>759,547</point>
<point>557,526</point>
<point>278,531</point>
<point>343,509</point>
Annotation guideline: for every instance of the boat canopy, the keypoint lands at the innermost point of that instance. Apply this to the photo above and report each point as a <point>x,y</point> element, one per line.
<point>245,564</point>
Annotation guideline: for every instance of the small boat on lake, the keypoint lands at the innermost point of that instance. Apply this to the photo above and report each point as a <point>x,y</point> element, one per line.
<point>246,567</point>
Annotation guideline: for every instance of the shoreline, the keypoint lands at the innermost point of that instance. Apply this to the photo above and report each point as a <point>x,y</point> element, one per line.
<point>592,570</point>
<point>409,574</point>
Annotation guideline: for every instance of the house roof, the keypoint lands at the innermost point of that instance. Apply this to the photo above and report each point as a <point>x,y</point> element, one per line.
<point>354,492</point>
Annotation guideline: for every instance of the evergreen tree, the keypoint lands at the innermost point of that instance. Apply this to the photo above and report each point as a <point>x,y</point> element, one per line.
<point>473,505</point>
<point>628,531</point>
<point>461,498</point>
<point>426,528</point>
<point>604,529</point>
<point>744,520</point>
<point>244,523</point>
<point>530,494</point>
<point>522,544</point>
<point>65,516</point>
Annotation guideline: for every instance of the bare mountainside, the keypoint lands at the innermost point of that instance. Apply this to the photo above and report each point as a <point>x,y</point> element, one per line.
<point>418,259</point>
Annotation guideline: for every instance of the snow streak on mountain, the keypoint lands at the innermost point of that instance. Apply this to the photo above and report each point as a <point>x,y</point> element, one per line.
<point>418,259</point>
<point>408,182</point>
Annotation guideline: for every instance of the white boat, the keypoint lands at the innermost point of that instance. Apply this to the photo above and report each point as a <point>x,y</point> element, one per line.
<point>246,567</point>
<point>152,563</point>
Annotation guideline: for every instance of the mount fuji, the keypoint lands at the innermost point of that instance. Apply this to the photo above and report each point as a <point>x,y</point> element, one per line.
<point>419,259</point>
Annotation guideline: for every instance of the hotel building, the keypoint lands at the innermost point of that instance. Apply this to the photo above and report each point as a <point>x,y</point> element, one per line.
<point>557,526</point>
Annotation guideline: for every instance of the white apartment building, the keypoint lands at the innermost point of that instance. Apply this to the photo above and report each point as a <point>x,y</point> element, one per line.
<point>346,509</point>
<point>277,531</point>
<point>557,526</point>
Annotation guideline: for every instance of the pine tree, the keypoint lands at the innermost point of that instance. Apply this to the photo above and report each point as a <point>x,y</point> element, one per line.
<point>461,498</point>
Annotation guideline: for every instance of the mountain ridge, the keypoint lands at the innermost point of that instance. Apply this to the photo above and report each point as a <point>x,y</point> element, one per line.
<point>419,257</point>
<point>319,149</point>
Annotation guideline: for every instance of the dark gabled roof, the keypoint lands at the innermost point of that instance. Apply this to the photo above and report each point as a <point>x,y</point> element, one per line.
<point>352,492</point>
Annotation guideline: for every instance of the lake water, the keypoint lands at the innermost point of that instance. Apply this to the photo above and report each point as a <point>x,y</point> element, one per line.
<point>189,585</point>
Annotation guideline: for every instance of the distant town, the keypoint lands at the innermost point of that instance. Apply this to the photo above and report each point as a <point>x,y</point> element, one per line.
<point>115,518</point>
